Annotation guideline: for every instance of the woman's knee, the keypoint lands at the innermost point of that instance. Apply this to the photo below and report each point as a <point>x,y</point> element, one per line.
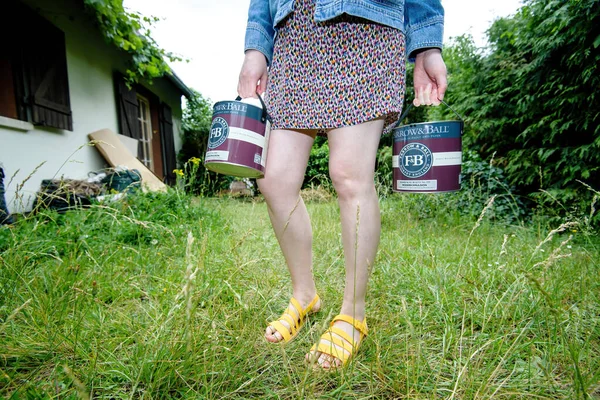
<point>349,183</point>
<point>277,187</point>
<point>266,186</point>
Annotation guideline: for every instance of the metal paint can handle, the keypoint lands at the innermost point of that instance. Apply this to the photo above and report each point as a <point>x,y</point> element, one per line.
<point>265,114</point>
<point>410,107</point>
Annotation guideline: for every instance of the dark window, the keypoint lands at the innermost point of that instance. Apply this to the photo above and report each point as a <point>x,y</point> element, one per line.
<point>34,82</point>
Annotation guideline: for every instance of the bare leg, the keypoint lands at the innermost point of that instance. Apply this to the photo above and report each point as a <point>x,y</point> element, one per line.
<point>286,164</point>
<point>353,151</point>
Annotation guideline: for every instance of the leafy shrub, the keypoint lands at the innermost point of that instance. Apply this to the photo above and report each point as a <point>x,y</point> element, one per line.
<point>384,171</point>
<point>529,99</point>
<point>317,170</point>
<point>131,32</point>
<point>556,206</point>
<point>480,180</point>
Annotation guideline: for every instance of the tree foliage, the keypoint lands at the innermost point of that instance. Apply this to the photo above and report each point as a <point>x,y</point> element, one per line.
<point>197,114</point>
<point>130,32</point>
<point>196,120</point>
<point>532,100</point>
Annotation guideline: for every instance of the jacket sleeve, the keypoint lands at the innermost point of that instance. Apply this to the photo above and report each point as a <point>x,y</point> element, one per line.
<point>259,30</point>
<point>424,25</point>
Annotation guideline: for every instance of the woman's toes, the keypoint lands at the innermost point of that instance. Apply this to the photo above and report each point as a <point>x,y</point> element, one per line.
<point>309,357</point>
<point>272,335</point>
<point>313,357</point>
<point>326,361</point>
<point>322,360</point>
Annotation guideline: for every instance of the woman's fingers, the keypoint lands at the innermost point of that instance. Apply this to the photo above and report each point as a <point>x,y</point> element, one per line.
<point>245,87</point>
<point>430,78</point>
<point>242,89</point>
<point>262,87</point>
<point>416,101</point>
<point>435,101</point>
<point>424,96</point>
<point>442,85</point>
<point>427,95</point>
<point>253,76</point>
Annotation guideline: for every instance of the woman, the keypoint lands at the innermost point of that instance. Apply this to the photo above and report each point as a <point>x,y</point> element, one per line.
<point>334,67</point>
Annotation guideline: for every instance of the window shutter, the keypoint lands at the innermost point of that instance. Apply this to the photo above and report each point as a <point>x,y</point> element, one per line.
<point>45,63</point>
<point>128,109</point>
<point>166,135</point>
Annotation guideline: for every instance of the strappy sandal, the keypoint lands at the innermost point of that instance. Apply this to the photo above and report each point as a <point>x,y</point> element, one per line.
<point>295,319</point>
<point>339,340</point>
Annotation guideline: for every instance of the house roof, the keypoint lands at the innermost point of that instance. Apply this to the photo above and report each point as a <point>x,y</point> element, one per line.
<point>175,80</point>
<point>172,77</point>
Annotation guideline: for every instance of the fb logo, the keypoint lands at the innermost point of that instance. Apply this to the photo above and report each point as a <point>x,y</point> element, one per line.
<point>415,160</point>
<point>219,130</point>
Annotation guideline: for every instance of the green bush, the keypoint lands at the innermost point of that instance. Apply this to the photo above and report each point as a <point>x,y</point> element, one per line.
<point>530,101</point>
<point>384,172</point>
<point>480,180</point>
<point>317,170</point>
<point>556,206</point>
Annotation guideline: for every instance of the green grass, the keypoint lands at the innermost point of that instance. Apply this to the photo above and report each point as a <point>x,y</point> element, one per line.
<point>112,302</point>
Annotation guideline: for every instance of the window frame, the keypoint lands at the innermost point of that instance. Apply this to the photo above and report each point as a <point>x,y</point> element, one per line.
<point>38,65</point>
<point>145,126</point>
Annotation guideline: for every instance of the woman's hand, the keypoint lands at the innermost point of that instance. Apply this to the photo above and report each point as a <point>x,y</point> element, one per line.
<point>253,76</point>
<point>430,78</point>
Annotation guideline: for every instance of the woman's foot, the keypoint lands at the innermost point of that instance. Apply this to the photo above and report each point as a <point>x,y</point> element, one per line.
<point>339,343</point>
<point>288,325</point>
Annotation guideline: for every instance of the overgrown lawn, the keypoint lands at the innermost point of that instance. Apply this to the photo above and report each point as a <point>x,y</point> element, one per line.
<point>168,296</point>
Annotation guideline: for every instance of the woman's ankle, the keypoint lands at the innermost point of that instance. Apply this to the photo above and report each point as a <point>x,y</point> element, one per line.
<point>305,294</point>
<point>354,310</point>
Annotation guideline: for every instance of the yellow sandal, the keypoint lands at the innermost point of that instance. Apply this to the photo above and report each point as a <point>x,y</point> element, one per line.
<point>289,316</point>
<point>341,345</point>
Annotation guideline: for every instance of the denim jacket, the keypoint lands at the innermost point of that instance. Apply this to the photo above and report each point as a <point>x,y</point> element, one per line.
<point>422,21</point>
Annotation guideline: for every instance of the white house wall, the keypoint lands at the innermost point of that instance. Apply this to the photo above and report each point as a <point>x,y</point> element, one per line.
<point>91,63</point>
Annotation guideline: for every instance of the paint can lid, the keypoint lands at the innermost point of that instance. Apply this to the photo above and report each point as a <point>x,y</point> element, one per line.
<point>252,101</point>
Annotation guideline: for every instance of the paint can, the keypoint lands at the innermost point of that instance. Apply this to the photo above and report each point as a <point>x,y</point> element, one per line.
<point>427,157</point>
<point>238,138</point>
